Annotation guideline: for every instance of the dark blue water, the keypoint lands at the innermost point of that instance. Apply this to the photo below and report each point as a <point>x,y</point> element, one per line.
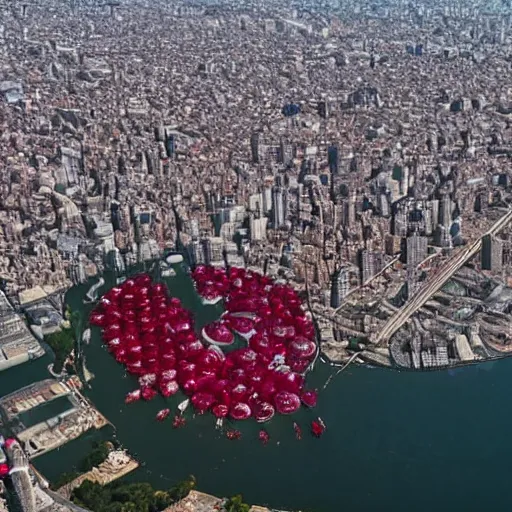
<point>396,441</point>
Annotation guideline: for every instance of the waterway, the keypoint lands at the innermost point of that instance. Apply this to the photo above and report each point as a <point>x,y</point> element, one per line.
<point>396,441</point>
<point>45,411</point>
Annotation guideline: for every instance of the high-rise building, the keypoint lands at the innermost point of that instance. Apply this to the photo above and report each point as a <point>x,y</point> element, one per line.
<point>258,228</point>
<point>333,158</point>
<point>371,264</point>
<point>417,247</point>
<point>255,142</point>
<point>279,206</point>
<point>445,212</point>
<point>340,286</point>
<point>491,253</point>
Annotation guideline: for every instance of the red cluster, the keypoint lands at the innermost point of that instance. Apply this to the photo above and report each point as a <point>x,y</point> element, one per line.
<point>153,335</point>
<point>4,470</point>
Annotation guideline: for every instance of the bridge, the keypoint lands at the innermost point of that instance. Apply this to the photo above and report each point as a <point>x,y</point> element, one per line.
<point>20,477</point>
<point>436,282</point>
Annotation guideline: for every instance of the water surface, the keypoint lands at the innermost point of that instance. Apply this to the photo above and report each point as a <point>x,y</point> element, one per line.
<point>399,441</point>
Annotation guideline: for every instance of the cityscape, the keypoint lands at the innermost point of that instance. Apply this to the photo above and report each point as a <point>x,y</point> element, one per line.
<point>357,152</point>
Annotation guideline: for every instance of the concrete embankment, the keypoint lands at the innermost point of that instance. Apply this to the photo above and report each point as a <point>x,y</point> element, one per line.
<point>117,465</point>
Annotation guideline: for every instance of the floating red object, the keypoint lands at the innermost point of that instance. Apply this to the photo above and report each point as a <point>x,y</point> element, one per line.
<point>299,365</point>
<point>148,393</point>
<point>133,396</point>
<point>98,319</point>
<point>178,422</point>
<point>163,414</point>
<point>309,398</point>
<point>218,333</point>
<point>189,386</point>
<point>220,410</point>
<point>242,325</point>
<point>240,411</point>
<point>317,427</point>
<point>169,388</point>
<point>302,348</point>
<point>147,380</point>
<point>290,381</point>
<point>264,437</point>
<point>233,435</point>
<point>264,412</point>
<point>153,335</point>
<point>286,402</point>
<point>168,375</point>
<point>202,401</point>
<point>239,393</point>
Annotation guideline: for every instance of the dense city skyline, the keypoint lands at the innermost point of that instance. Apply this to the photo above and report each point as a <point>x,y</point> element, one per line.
<point>358,152</point>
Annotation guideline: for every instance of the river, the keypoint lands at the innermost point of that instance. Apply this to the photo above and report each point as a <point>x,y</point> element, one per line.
<point>396,441</point>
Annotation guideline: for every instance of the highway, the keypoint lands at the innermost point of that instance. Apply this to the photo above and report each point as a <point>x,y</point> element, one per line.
<point>436,282</point>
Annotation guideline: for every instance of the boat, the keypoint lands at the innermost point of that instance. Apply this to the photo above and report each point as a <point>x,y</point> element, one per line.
<point>173,258</point>
<point>163,414</point>
<point>133,396</point>
<point>233,434</point>
<point>179,421</point>
<point>264,437</point>
<point>182,407</point>
<point>298,431</point>
<point>318,427</point>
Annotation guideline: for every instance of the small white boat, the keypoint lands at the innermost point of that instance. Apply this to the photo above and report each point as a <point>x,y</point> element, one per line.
<point>173,259</point>
<point>182,407</point>
<point>86,336</point>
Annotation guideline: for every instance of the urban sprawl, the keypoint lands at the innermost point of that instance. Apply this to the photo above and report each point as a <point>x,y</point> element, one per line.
<point>359,151</point>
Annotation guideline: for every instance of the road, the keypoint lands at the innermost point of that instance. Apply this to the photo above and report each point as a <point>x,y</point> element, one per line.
<point>436,282</point>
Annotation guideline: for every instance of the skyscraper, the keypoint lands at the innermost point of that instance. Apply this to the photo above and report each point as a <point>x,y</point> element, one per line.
<point>491,253</point>
<point>417,247</point>
<point>333,159</point>
<point>340,287</point>
<point>279,206</point>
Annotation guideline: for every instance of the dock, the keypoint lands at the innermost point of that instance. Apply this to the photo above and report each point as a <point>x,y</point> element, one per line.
<point>51,434</point>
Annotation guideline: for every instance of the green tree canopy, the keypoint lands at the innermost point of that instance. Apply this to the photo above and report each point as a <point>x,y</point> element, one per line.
<point>236,504</point>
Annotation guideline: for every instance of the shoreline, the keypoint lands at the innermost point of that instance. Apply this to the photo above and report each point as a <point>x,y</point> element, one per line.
<point>118,464</point>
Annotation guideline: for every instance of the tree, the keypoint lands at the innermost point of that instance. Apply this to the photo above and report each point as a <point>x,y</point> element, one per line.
<point>62,343</point>
<point>236,504</point>
<point>162,500</point>
<point>92,496</point>
<point>98,455</point>
<point>182,489</point>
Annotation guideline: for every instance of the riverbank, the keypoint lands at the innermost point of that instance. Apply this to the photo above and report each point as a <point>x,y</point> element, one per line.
<point>197,501</point>
<point>117,464</point>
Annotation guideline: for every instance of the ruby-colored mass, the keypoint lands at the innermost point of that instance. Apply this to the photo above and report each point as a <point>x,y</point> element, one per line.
<point>153,336</point>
